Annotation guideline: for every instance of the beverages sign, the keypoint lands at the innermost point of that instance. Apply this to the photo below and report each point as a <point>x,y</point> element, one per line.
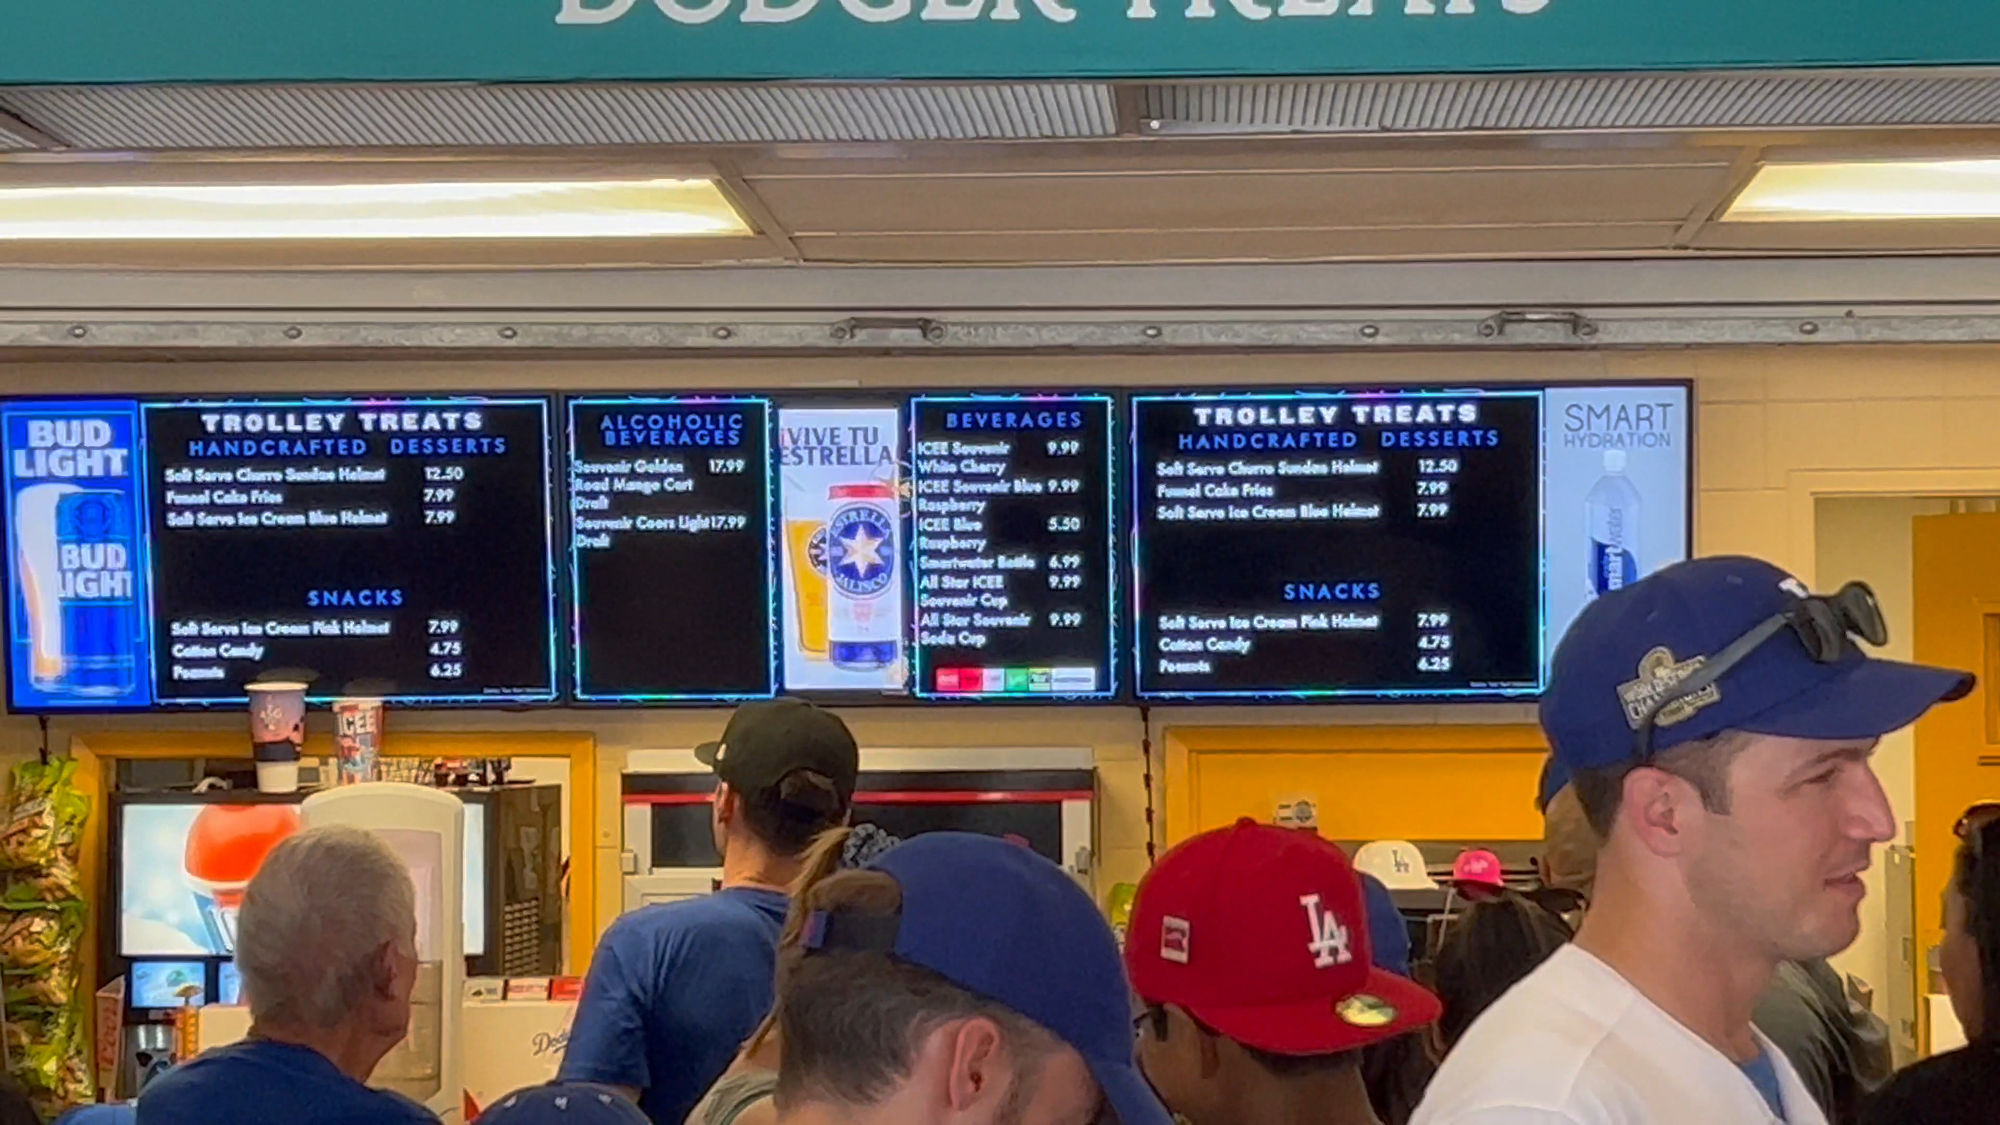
<point>676,40</point>
<point>76,613</point>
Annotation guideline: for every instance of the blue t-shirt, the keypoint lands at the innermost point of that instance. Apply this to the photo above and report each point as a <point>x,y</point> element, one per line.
<point>673,992</point>
<point>256,1082</point>
<point>1763,1074</point>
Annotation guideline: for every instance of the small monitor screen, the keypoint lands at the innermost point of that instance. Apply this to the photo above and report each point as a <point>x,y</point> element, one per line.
<point>229,984</point>
<point>182,872</point>
<point>169,984</point>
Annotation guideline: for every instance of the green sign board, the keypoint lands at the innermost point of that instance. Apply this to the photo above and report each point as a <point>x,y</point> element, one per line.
<point>89,41</point>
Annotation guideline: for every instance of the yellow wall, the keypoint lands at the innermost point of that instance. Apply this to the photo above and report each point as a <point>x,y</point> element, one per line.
<point>1868,539</point>
<point>1779,429</point>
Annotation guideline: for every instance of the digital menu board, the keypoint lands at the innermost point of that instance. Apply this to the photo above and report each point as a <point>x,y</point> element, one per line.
<point>1014,585</point>
<point>1362,543</point>
<point>1390,544</point>
<point>1320,542</point>
<point>670,549</point>
<point>403,543</point>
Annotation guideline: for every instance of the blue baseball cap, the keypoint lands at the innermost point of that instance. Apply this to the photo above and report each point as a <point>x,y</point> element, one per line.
<point>564,1103</point>
<point>1003,923</point>
<point>1554,777</point>
<point>1388,937</point>
<point>1630,648</point>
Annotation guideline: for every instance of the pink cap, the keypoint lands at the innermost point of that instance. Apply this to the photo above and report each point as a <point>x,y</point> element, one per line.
<point>1477,866</point>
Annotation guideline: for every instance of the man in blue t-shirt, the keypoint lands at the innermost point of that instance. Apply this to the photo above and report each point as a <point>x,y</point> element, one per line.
<point>675,989</point>
<point>327,943</point>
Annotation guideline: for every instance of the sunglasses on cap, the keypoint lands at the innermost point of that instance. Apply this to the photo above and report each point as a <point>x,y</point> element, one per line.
<point>1824,624</point>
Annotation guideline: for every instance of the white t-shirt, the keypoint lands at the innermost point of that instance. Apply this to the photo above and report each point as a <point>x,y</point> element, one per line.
<point>1576,1044</point>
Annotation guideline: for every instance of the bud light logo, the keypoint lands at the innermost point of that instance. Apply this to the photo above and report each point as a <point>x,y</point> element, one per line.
<point>74,558</point>
<point>861,543</point>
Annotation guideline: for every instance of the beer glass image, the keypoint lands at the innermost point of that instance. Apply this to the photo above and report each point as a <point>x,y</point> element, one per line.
<point>864,615</point>
<point>225,847</point>
<point>805,544</point>
<point>78,583</point>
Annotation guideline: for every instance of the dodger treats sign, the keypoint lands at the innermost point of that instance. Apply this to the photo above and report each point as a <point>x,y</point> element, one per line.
<point>136,41</point>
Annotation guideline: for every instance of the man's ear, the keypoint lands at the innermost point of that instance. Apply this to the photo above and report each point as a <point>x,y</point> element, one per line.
<point>1657,806</point>
<point>382,971</point>
<point>979,1066</point>
<point>727,803</point>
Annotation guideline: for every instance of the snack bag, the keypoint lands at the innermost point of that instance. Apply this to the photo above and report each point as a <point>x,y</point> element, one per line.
<point>61,882</point>
<point>42,938</point>
<point>45,817</point>
<point>25,991</point>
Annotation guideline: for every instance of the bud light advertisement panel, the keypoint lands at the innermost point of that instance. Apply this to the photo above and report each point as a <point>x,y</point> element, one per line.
<point>840,552</point>
<point>76,557</point>
<point>1615,462</point>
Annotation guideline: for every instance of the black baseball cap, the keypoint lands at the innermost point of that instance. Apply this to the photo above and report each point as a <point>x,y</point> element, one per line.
<point>771,739</point>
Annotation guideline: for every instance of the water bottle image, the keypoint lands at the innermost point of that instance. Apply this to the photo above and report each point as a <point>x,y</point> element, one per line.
<point>1612,512</point>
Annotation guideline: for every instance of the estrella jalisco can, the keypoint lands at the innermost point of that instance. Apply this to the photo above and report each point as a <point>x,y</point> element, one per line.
<point>864,607</point>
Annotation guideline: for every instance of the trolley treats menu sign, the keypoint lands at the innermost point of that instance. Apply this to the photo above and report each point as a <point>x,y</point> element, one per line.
<point>840,485</point>
<point>402,543</point>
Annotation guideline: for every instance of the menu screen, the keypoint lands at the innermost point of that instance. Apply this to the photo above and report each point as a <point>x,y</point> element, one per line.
<point>670,548</point>
<point>1333,544</point>
<point>403,544</point>
<point>1013,572</point>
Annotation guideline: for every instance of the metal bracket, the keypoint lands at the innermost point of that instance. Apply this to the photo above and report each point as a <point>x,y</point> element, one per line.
<point>932,331</point>
<point>440,332</point>
<point>1580,325</point>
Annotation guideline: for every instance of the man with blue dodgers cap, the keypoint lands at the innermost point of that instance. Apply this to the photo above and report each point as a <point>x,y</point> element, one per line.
<point>957,980</point>
<point>1716,722</point>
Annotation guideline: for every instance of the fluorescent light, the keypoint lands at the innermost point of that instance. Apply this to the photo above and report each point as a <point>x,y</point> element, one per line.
<point>1870,190</point>
<point>651,208</point>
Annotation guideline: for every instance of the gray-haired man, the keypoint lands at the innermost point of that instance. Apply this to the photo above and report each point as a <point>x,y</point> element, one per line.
<point>326,942</point>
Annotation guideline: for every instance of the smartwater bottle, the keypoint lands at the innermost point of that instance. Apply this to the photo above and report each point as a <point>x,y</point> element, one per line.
<point>1612,510</point>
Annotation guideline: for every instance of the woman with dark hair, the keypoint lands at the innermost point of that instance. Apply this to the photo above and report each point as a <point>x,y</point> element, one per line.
<point>1962,1087</point>
<point>1484,952</point>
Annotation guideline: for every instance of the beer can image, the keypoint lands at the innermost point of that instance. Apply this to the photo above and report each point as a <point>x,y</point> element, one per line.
<point>80,583</point>
<point>864,622</point>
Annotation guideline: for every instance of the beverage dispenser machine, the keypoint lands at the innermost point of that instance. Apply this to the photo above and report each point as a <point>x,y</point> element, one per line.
<point>427,828</point>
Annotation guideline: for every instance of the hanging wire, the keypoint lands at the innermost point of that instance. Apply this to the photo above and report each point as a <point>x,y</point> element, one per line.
<point>1146,757</point>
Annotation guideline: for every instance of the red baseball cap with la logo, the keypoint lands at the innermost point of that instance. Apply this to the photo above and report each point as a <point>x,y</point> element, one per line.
<point>1260,933</point>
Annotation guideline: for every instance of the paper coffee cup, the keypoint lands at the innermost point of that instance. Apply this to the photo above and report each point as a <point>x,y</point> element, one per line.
<point>277,712</point>
<point>278,777</point>
<point>357,738</point>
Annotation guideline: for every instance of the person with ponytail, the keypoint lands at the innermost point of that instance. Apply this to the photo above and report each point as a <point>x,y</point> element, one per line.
<point>1962,1087</point>
<point>675,988</point>
<point>743,1095</point>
